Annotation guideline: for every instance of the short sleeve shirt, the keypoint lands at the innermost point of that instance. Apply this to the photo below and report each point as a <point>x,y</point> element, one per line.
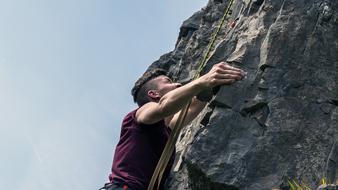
<point>138,151</point>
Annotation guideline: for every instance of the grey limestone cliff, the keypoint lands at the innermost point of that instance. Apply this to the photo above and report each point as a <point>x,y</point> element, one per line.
<point>281,122</point>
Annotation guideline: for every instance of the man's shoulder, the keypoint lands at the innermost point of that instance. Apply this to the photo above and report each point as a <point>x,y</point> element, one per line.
<point>130,118</point>
<point>132,112</point>
<point>131,115</point>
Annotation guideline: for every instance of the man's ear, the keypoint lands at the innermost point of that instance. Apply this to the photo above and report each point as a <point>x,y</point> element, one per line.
<point>154,95</point>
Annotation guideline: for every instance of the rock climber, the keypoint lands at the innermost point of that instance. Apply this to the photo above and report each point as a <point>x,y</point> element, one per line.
<point>145,130</point>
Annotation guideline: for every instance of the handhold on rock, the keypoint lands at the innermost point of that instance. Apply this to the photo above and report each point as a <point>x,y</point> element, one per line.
<point>326,14</point>
<point>258,2</point>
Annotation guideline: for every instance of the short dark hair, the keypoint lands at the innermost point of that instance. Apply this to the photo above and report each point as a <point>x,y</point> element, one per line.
<point>142,86</point>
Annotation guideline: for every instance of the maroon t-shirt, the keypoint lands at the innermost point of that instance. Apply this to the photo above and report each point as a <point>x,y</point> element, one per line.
<point>138,151</point>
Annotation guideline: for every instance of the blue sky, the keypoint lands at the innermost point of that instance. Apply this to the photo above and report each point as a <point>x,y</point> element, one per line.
<point>66,70</point>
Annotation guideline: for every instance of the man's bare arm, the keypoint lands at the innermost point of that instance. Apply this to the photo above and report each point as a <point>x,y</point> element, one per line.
<point>173,101</point>
<point>169,104</point>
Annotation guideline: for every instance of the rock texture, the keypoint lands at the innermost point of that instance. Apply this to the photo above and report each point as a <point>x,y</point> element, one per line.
<point>280,123</point>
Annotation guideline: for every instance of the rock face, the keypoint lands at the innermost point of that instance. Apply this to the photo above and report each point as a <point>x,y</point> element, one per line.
<point>280,123</point>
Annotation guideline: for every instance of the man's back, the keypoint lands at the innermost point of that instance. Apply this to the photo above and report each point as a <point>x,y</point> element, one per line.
<point>138,152</point>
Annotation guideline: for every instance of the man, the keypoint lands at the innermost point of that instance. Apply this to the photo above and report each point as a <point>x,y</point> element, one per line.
<point>145,130</point>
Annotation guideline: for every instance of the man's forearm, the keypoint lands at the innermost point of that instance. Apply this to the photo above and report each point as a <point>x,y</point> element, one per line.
<point>173,101</point>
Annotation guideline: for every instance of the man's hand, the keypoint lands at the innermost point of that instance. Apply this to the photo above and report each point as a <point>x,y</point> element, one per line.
<point>221,74</point>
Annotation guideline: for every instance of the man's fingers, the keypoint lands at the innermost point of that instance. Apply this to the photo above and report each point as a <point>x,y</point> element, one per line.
<point>224,74</point>
<point>226,66</point>
<point>232,68</point>
<point>229,76</point>
<point>232,72</point>
<point>225,81</point>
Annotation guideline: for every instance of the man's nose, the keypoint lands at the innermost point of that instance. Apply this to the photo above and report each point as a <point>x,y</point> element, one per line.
<point>178,85</point>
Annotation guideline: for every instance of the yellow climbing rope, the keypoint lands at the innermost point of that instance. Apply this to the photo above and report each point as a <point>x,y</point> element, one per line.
<point>170,146</point>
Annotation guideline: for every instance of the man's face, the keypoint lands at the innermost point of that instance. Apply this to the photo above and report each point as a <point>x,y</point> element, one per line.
<point>164,85</point>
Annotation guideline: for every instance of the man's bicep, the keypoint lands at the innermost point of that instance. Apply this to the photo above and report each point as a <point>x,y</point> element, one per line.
<point>149,113</point>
